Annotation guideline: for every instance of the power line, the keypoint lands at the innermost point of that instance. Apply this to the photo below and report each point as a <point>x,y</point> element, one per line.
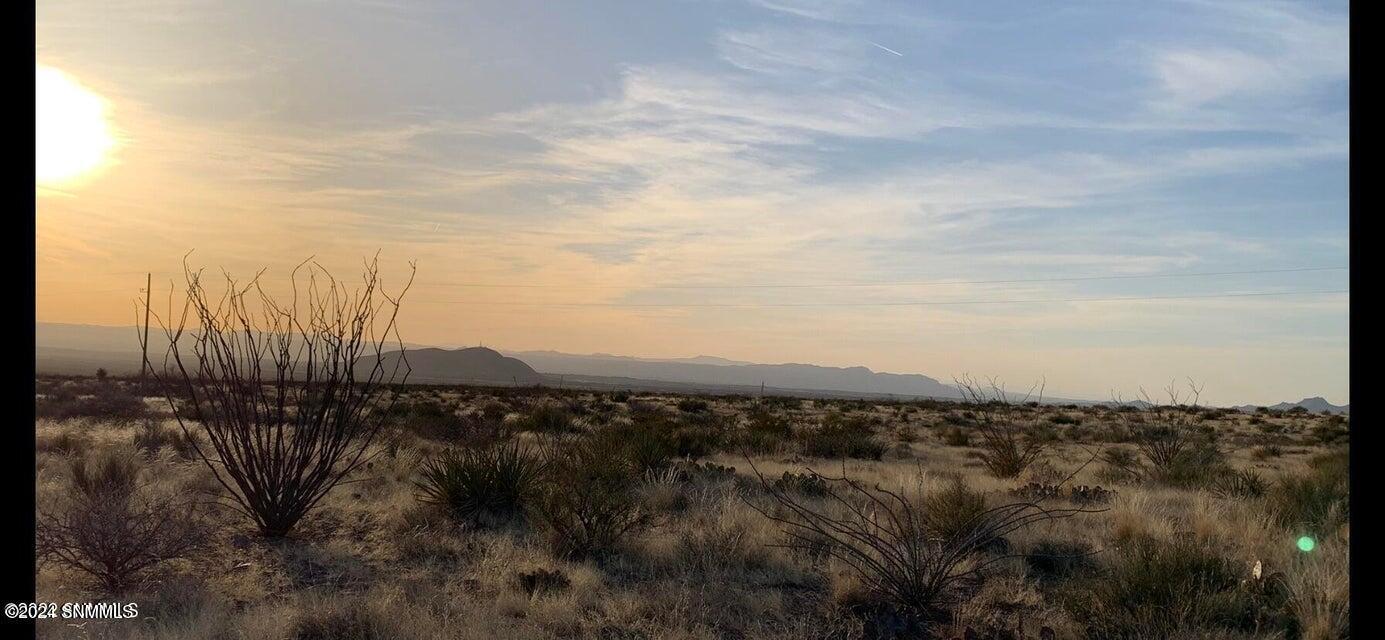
<point>918,303</point>
<point>816,285</point>
<point>497,285</point>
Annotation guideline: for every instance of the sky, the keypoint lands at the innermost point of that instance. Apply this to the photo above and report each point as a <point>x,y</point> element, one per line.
<point>1106,196</point>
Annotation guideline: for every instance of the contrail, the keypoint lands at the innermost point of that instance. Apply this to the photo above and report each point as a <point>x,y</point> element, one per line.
<point>881,46</point>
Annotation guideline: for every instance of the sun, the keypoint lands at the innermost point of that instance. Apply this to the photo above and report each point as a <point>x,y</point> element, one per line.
<point>72,136</point>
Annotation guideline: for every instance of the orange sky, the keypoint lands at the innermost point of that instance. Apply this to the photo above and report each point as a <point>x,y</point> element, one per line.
<point>257,151</point>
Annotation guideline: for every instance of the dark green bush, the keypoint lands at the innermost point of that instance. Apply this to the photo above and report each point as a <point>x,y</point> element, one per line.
<point>482,486</point>
<point>693,405</point>
<point>153,435</point>
<point>64,443</point>
<point>953,510</point>
<point>1154,589</point>
<point>1316,501</point>
<point>649,444</point>
<point>547,417</point>
<point>103,403</point>
<point>1238,484</point>
<point>592,503</point>
<point>766,432</point>
<point>808,484</point>
<point>1053,560</point>
<point>842,437</point>
<point>111,529</point>
<point>956,437</point>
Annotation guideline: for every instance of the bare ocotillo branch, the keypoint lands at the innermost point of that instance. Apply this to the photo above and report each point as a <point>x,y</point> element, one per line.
<point>290,395</point>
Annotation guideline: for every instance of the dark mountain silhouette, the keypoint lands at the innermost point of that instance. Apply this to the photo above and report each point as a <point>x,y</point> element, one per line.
<point>1316,404</point>
<point>701,371</point>
<point>474,364</point>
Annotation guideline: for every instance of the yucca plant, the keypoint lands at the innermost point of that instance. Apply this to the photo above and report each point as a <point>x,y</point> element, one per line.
<point>1239,484</point>
<point>482,486</point>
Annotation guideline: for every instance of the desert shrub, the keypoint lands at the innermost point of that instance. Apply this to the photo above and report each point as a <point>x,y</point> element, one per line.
<point>547,417</point>
<point>696,441</point>
<point>1154,589</point>
<point>706,471</point>
<point>1316,501</point>
<point>106,403</point>
<point>495,410</point>
<point>1197,467</point>
<point>1238,484</point>
<point>592,503</point>
<point>644,445</point>
<point>1063,418</point>
<point>1052,560</point>
<point>1173,448</point>
<point>905,434</point>
<point>110,528</point>
<point>664,490</point>
<point>153,436</point>
<point>1319,589</point>
<point>956,437</point>
<point>715,541</point>
<point>842,437</point>
<point>696,435</point>
<point>1007,450</point>
<point>541,581</point>
<point>1119,466</point>
<point>342,620</point>
<point>952,511</point>
<point>65,443</point>
<point>808,484</point>
<point>432,420</point>
<point>779,402</point>
<point>484,485</point>
<point>766,431</point>
<point>1328,434</point>
<point>884,538</point>
<point>1043,433</point>
<point>287,430</point>
<point>693,405</point>
<point>1266,452</point>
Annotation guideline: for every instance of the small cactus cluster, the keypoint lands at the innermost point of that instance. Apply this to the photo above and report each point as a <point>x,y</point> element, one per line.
<point>540,581</point>
<point>809,484</point>
<point>970,633</point>
<point>707,470</point>
<point>1038,491</point>
<point>1081,494</point>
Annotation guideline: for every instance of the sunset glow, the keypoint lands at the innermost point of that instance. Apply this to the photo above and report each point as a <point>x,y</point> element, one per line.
<point>72,136</point>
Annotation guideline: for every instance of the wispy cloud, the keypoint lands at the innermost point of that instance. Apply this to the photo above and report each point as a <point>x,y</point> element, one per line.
<point>783,144</point>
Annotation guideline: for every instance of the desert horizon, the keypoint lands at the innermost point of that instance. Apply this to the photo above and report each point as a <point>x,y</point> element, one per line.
<point>690,320</point>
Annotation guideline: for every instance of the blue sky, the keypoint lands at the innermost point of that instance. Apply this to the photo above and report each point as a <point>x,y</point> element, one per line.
<point>605,156</point>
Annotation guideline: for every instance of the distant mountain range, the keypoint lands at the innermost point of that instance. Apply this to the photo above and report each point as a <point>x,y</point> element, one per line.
<point>1313,405</point>
<point>710,371</point>
<point>81,349</point>
<point>456,366</point>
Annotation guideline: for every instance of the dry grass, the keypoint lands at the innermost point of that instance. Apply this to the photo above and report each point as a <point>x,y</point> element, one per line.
<point>373,561</point>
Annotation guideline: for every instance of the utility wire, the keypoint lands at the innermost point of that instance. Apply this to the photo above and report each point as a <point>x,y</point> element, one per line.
<point>882,284</point>
<point>918,303</point>
<point>905,283</point>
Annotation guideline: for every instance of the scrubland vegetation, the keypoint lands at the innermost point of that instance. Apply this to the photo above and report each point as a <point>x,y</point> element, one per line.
<point>540,513</point>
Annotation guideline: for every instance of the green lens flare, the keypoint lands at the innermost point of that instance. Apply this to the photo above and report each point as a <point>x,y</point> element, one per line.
<point>1306,544</point>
